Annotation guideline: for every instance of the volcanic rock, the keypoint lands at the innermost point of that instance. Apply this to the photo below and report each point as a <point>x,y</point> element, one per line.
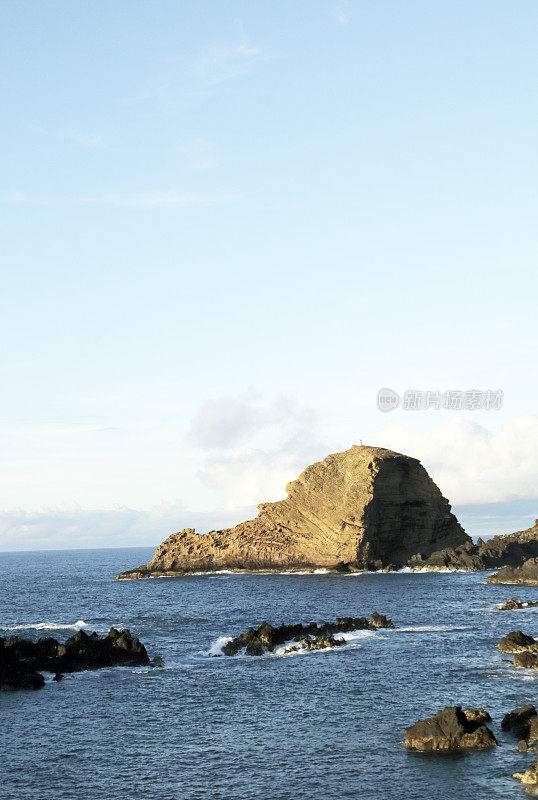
<point>504,550</point>
<point>526,574</point>
<point>365,508</point>
<point>450,730</point>
<point>517,642</point>
<point>522,723</point>
<point>257,641</point>
<point>21,660</point>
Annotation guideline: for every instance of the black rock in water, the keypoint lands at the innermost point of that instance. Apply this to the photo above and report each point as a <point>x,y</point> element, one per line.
<point>450,731</point>
<point>257,641</point>
<point>21,660</point>
<point>522,723</point>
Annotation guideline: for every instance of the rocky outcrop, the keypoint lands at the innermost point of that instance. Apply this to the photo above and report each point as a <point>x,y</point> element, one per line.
<point>257,641</point>
<point>515,605</point>
<point>450,731</point>
<point>365,508</point>
<point>517,642</point>
<point>525,575</point>
<point>522,723</point>
<point>511,549</point>
<point>21,660</point>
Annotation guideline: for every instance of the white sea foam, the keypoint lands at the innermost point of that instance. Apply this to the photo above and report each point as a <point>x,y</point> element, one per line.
<point>218,644</point>
<point>47,626</point>
<point>428,628</point>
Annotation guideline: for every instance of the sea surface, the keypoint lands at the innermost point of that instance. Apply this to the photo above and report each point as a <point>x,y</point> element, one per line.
<point>308,726</point>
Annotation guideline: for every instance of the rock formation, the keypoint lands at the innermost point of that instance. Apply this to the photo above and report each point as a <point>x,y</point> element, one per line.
<point>511,549</point>
<point>515,605</point>
<point>522,723</point>
<point>21,660</point>
<point>450,730</point>
<point>365,508</point>
<point>525,575</point>
<point>517,642</point>
<point>257,641</point>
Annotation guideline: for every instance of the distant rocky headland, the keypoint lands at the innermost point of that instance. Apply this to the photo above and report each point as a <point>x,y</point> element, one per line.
<point>367,508</point>
<point>525,574</point>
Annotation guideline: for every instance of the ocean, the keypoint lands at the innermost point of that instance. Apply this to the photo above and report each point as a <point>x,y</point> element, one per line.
<point>308,726</point>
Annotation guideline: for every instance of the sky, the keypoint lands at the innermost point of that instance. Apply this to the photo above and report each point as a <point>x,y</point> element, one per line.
<point>226,225</point>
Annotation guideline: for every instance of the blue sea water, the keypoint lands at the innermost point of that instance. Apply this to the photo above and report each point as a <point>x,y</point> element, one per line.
<point>297,727</point>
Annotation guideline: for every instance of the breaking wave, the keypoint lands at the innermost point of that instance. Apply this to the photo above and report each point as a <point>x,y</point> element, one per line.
<point>46,626</point>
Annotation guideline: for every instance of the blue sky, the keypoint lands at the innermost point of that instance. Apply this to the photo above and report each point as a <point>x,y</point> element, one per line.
<point>226,225</point>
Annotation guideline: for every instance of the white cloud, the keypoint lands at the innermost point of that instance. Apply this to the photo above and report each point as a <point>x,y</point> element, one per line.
<point>121,526</point>
<point>254,447</point>
<point>471,464</point>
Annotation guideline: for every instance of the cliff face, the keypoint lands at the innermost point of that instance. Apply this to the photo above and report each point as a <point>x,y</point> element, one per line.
<point>367,507</point>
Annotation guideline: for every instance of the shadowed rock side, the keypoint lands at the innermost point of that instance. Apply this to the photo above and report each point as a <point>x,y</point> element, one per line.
<point>22,660</point>
<point>365,508</point>
<point>511,549</point>
<point>451,730</point>
<point>525,575</point>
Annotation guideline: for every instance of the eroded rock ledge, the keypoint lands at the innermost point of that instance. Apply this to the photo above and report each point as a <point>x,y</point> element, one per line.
<point>21,660</point>
<point>365,508</point>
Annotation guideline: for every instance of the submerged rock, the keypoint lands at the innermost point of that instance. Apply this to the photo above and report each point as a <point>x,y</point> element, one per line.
<point>449,731</point>
<point>257,641</point>
<point>525,575</point>
<point>365,508</point>
<point>517,642</point>
<point>21,660</point>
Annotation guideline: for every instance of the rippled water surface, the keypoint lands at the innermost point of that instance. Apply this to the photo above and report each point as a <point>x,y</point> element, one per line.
<point>291,727</point>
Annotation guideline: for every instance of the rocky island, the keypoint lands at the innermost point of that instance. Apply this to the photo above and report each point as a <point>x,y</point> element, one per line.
<point>364,509</point>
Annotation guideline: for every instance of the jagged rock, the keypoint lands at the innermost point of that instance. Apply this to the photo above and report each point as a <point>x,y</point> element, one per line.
<point>380,621</point>
<point>449,730</point>
<point>526,660</point>
<point>257,641</point>
<point>504,550</point>
<point>365,508</point>
<point>517,642</point>
<point>525,575</point>
<point>522,723</point>
<point>320,642</point>
<point>21,660</point>
<point>477,715</point>
<point>509,605</point>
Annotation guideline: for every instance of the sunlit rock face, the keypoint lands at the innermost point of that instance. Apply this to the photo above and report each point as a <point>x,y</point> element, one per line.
<point>365,508</point>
